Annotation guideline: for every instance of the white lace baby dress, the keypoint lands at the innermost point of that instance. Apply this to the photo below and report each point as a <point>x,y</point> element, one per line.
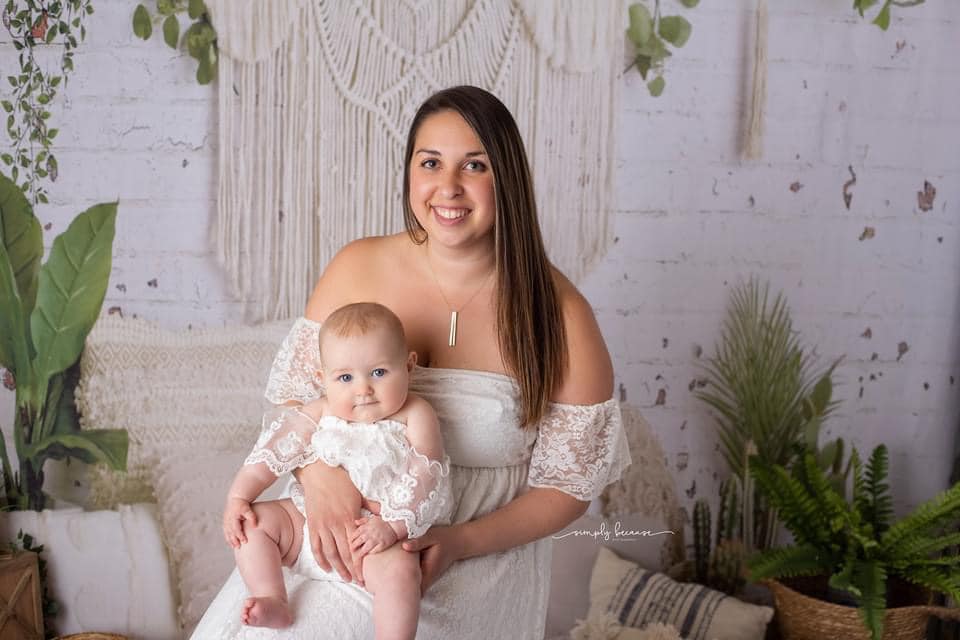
<point>383,465</point>
<point>501,596</point>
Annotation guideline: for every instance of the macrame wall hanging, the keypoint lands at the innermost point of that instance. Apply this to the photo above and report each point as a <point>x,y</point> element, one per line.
<point>315,97</point>
<point>753,138</point>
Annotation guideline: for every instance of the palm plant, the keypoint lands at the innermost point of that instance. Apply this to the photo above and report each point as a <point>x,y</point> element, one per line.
<point>767,392</point>
<point>857,543</point>
<point>45,315</point>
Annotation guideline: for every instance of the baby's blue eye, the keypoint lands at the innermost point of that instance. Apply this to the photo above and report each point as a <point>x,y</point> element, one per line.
<point>345,377</point>
<point>379,373</point>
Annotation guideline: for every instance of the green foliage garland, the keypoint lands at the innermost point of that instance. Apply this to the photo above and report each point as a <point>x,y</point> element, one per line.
<point>650,33</point>
<point>32,24</point>
<point>200,37</point>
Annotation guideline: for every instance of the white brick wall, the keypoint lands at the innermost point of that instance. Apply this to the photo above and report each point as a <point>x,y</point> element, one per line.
<point>691,218</point>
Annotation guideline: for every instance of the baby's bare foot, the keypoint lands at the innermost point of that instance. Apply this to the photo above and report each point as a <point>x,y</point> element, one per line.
<point>266,612</point>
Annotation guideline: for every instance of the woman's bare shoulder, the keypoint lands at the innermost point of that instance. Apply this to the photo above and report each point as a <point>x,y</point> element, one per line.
<point>589,375</point>
<point>351,272</point>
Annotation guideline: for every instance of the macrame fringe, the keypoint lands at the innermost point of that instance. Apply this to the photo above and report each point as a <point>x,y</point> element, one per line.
<point>753,146</point>
<point>316,95</point>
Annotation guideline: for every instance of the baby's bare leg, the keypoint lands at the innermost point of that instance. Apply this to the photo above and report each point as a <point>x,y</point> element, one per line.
<point>393,577</point>
<point>275,541</point>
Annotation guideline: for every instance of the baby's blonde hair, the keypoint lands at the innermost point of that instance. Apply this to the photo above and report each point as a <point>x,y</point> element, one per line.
<point>359,319</point>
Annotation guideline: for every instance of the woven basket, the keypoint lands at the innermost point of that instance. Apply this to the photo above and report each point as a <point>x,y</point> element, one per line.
<point>802,617</point>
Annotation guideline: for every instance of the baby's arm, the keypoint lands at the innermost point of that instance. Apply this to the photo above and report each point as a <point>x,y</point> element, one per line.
<point>423,428</point>
<point>247,485</point>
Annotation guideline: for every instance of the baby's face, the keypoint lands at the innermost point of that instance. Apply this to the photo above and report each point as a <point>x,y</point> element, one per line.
<point>366,377</point>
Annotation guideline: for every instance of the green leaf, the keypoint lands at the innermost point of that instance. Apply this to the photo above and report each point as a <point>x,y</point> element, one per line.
<point>142,26</point>
<point>656,86</point>
<point>883,18</point>
<point>196,8</point>
<point>7,106</point>
<point>643,65</point>
<point>108,446</point>
<point>14,354</point>
<point>171,31</point>
<point>73,283</point>
<point>204,72</point>
<point>641,24</point>
<point>675,30</point>
<point>689,4</point>
<point>165,7</point>
<point>43,98</point>
<point>22,238</point>
<point>655,49</point>
<point>863,5</point>
<point>52,133</point>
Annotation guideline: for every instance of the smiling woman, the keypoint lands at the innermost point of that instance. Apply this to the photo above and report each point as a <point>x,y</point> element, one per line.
<point>521,385</point>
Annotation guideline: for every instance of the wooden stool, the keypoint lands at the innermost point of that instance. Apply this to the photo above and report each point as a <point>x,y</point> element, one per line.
<point>21,614</point>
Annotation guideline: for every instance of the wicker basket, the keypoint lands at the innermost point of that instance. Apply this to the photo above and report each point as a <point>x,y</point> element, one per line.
<point>802,617</point>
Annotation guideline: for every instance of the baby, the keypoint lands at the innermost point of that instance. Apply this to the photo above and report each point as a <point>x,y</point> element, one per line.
<point>386,438</point>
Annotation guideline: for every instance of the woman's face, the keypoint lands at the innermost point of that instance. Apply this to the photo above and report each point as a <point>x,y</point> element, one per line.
<point>451,182</point>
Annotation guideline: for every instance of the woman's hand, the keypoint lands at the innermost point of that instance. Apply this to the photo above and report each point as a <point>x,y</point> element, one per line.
<point>332,504</point>
<point>439,547</point>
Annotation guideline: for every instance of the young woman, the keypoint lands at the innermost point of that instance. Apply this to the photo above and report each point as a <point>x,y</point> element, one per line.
<point>514,365</point>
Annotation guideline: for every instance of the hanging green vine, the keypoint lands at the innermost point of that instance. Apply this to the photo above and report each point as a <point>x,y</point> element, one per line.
<point>200,37</point>
<point>650,33</point>
<point>883,18</point>
<point>32,24</point>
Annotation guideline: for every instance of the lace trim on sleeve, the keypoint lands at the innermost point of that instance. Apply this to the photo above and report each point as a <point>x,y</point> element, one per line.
<point>580,449</point>
<point>420,496</point>
<point>285,443</point>
<point>293,374</point>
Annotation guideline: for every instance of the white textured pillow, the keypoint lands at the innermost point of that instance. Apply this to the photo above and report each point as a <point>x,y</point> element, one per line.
<point>107,569</point>
<point>630,596</point>
<point>191,487</point>
<point>169,389</point>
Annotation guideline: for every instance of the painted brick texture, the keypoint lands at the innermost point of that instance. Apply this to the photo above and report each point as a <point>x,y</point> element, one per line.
<point>691,218</point>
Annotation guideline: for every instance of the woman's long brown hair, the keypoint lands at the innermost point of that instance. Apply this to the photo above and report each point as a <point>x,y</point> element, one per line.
<point>533,340</point>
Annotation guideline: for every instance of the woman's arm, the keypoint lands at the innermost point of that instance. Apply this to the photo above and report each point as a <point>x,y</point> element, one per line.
<point>540,511</point>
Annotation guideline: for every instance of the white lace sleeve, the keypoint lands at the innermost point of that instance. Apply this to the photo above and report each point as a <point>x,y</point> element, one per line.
<point>285,443</point>
<point>420,496</point>
<point>293,375</point>
<point>580,449</point>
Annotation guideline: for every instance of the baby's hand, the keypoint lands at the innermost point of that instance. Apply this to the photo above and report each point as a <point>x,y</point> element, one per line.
<point>235,513</point>
<point>372,535</point>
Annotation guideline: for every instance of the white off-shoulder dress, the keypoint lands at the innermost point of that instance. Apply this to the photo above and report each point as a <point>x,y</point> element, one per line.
<point>577,449</point>
<point>383,465</point>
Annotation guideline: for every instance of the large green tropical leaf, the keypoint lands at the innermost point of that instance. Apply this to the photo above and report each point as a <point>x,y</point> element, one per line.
<point>98,445</point>
<point>22,237</point>
<point>73,283</point>
<point>14,354</point>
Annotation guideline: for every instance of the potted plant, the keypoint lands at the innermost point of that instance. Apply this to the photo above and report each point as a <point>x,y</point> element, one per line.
<point>767,395</point>
<point>46,313</point>
<point>856,549</point>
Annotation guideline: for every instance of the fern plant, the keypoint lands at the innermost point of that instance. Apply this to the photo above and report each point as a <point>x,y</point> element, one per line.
<point>857,543</point>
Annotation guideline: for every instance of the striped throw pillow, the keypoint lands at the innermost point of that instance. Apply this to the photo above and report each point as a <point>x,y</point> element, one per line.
<point>637,598</point>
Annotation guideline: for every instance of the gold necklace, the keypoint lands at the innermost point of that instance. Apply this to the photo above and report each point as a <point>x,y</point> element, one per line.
<point>454,313</point>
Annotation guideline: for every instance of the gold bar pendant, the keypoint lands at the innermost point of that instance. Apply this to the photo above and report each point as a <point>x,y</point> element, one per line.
<point>453,329</point>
